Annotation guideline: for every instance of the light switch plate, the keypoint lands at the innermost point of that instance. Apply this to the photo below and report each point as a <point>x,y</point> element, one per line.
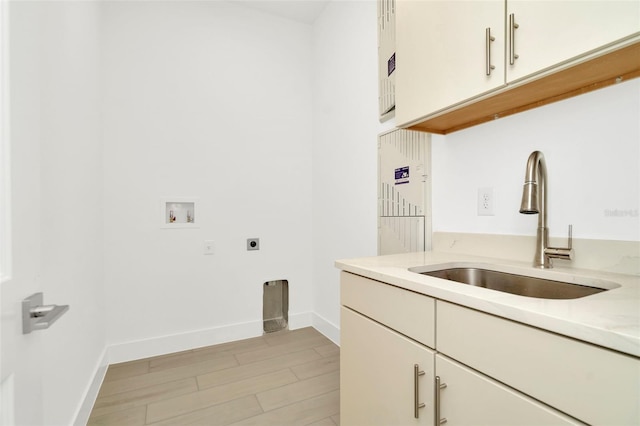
<point>208,247</point>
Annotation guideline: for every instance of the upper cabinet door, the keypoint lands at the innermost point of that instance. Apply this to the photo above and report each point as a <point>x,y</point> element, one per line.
<point>445,53</point>
<point>549,33</point>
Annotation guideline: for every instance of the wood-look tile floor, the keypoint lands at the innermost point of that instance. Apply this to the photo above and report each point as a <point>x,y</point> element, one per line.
<point>282,378</point>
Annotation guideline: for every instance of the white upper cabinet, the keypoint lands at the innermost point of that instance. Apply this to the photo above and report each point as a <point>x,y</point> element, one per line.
<point>549,33</point>
<point>443,52</point>
<point>452,55</point>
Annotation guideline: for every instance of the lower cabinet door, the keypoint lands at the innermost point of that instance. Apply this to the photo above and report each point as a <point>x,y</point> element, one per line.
<point>379,381</point>
<point>470,398</point>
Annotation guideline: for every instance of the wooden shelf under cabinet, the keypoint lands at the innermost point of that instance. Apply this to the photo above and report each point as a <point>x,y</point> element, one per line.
<point>605,70</point>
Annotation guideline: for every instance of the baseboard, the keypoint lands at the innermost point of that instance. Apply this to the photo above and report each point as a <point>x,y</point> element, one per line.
<point>162,345</point>
<point>155,346</point>
<point>300,320</point>
<point>91,393</point>
<point>324,326</point>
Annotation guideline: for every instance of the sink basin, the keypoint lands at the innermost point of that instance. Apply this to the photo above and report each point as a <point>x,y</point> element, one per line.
<point>513,283</point>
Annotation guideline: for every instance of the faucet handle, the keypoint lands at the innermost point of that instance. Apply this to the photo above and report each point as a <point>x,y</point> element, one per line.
<point>565,253</point>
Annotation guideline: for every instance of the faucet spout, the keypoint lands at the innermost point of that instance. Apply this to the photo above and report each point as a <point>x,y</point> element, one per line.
<point>534,201</point>
<point>534,194</point>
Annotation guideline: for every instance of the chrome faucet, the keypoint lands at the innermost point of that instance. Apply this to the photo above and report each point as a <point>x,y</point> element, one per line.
<point>534,201</point>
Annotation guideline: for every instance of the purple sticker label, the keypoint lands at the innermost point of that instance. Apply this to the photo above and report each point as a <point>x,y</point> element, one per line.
<point>391,64</point>
<point>402,175</point>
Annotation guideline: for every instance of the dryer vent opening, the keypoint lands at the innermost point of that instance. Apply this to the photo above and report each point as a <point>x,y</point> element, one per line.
<point>275,306</point>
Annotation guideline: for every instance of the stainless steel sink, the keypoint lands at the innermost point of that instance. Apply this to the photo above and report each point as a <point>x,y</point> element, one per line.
<point>515,284</point>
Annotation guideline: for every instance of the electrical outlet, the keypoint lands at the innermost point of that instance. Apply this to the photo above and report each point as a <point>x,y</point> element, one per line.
<point>208,247</point>
<point>485,201</point>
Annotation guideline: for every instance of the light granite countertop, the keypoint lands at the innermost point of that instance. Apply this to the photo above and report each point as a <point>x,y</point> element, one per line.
<point>610,319</point>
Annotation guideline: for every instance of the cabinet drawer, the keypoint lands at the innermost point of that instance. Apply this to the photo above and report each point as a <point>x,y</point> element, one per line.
<point>595,385</point>
<point>471,398</point>
<point>409,313</point>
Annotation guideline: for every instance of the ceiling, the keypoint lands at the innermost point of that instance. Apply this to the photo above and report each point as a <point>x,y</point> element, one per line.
<point>304,11</point>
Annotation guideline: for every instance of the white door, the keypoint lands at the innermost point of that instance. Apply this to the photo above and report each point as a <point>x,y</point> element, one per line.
<point>20,354</point>
<point>56,209</point>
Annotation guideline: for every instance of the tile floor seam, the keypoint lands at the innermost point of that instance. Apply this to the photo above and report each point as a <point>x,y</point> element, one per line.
<point>235,356</point>
<point>164,420</point>
<point>146,404</point>
<point>142,388</point>
<point>259,403</point>
<point>212,389</point>
<point>179,377</point>
<point>255,396</point>
<point>108,380</point>
<point>146,421</point>
<point>294,402</point>
<point>275,370</point>
<point>298,402</point>
<point>275,346</point>
<point>201,381</point>
<point>275,409</point>
<point>272,389</point>
<point>197,376</point>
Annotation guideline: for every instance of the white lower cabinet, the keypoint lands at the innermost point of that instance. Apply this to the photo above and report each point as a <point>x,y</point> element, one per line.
<point>492,371</point>
<point>596,385</point>
<point>469,398</point>
<point>379,382</point>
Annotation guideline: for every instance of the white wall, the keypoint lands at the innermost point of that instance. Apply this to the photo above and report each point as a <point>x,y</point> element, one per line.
<point>345,146</point>
<point>57,205</point>
<point>592,148</point>
<point>209,100</point>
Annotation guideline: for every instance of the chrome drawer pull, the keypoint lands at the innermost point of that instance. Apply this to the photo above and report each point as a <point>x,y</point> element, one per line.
<point>438,387</point>
<point>417,405</point>
<point>488,39</point>
<point>512,39</point>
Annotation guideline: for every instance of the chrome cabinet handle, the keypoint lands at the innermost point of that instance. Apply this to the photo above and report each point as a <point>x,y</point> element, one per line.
<point>417,405</point>
<point>512,39</point>
<point>488,39</point>
<point>438,387</point>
